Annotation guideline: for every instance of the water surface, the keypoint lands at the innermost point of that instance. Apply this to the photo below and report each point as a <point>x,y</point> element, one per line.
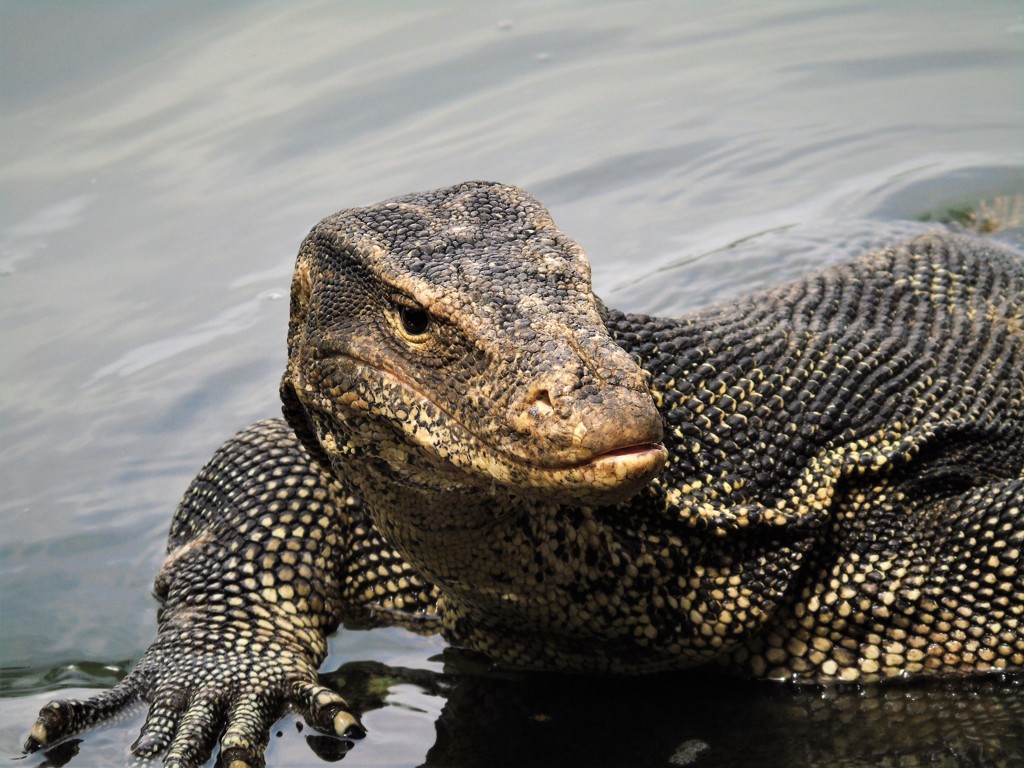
<point>160,163</point>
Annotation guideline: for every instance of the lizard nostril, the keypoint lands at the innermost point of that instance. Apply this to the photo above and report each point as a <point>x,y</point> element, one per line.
<point>540,403</point>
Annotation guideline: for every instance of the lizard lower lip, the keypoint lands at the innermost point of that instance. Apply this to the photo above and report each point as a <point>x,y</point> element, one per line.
<point>631,460</point>
<point>615,475</point>
<point>631,450</point>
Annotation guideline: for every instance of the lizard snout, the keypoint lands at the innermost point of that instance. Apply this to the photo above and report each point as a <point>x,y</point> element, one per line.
<point>560,425</point>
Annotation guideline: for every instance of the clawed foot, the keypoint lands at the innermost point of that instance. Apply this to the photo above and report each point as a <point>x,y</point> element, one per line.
<point>183,726</point>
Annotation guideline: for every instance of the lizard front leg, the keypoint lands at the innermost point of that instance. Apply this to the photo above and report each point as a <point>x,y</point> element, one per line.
<point>251,588</point>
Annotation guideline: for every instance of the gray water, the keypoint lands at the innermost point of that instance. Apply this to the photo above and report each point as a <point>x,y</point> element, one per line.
<point>160,162</point>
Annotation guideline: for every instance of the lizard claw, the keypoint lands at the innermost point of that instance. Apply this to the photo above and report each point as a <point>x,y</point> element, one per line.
<point>327,711</point>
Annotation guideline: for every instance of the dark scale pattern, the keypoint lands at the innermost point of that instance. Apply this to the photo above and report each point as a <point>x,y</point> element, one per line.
<point>821,482</point>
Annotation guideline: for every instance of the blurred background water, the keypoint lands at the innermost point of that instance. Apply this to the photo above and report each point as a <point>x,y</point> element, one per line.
<point>160,162</point>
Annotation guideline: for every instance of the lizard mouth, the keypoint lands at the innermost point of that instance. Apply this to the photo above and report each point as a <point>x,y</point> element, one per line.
<point>638,450</point>
<point>616,474</point>
<point>620,459</point>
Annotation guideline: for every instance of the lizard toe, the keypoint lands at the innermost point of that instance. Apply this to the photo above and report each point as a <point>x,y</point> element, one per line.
<point>197,733</point>
<point>64,717</point>
<point>248,731</point>
<point>326,711</point>
<point>157,731</point>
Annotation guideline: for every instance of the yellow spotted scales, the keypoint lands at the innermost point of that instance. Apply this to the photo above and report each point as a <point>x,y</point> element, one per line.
<point>821,482</point>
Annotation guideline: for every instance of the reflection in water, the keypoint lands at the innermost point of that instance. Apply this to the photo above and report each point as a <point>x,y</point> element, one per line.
<point>697,718</point>
<point>717,721</point>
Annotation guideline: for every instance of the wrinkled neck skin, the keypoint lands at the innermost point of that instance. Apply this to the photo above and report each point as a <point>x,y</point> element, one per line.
<point>452,536</point>
<point>609,589</point>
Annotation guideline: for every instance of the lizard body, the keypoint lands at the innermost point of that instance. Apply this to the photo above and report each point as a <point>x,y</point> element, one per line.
<point>821,482</point>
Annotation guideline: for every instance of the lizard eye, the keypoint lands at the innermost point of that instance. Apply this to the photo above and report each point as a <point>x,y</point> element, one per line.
<point>415,320</point>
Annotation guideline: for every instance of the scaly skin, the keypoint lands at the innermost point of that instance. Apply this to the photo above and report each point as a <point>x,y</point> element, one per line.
<point>821,482</point>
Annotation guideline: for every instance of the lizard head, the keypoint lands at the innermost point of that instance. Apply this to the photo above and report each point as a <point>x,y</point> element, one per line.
<point>450,341</point>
